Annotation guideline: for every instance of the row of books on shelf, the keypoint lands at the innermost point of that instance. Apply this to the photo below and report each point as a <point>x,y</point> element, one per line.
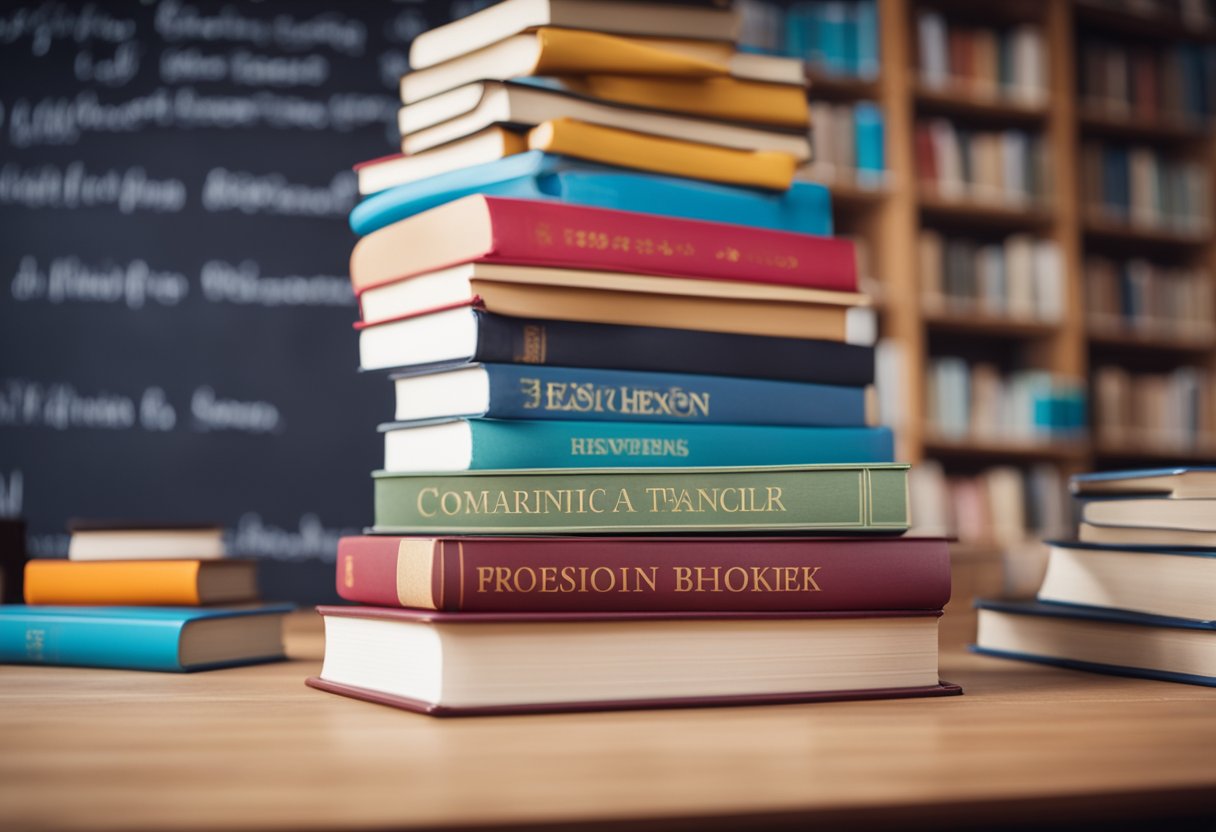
<point>1009,167</point>
<point>1137,296</point>
<point>982,61</point>
<point>976,400</point>
<point>1162,411</point>
<point>847,145</point>
<point>1198,14</point>
<point>1145,187</point>
<point>1020,276</point>
<point>833,37</point>
<point>1145,81</point>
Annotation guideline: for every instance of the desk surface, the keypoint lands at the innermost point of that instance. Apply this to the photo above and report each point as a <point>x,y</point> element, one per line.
<point>254,748</point>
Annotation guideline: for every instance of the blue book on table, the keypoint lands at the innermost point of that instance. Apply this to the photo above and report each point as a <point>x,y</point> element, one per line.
<point>142,638</point>
<point>486,444</point>
<point>805,208</point>
<point>529,391</point>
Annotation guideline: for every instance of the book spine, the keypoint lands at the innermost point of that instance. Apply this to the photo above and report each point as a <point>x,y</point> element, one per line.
<point>503,340</point>
<point>102,583</point>
<point>827,499</point>
<point>89,642</point>
<point>523,392</point>
<point>571,444</point>
<point>554,234</point>
<point>647,575</point>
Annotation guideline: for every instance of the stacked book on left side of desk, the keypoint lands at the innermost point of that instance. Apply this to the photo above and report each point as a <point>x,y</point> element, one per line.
<point>142,598</point>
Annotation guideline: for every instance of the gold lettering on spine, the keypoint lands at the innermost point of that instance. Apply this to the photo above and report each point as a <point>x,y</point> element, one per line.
<point>415,571</point>
<point>422,495</point>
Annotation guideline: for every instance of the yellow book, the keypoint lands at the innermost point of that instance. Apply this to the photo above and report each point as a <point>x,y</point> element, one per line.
<point>640,151</point>
<point>731,99</point>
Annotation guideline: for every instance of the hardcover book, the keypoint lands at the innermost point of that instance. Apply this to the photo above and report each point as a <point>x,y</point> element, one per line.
<point>521,391</point>
<point>1179,483</point>
<point>645,574</point>
<point>786,498</point>
<point>126,540</point>
<point>140,583</point>
<point>142,638</point>
<point>481,444</point>
<point>486,663</point>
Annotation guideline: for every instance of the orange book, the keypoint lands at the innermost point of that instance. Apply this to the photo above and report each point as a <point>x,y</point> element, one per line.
<point>186,583</point>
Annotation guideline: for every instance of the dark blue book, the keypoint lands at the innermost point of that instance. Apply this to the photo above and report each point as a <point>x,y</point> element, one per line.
<point>525,391</point>
<point>1099,640</point>
<point>1116,182</point>
<point>172,639</point>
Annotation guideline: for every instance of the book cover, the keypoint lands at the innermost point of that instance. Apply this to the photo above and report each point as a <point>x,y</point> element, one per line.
<point>805,207</point>
<point>492,444</point>
<point>822,499</point>
<point>125,638</point>
<point>139,583</point>
<point>488,229</point>
<point>641,574</point>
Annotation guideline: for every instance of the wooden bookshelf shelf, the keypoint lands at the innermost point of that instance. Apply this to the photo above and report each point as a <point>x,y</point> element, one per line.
<point>995,450</point>
<point>1122,339</point>
<point>985,325</point>
<point>1099,229</point>
<point>824,87</point>
<point>963,103</point>
<point>847,195</point>
<point>970,213</point>
<point>1159,27</point>
<point>1096,121</point>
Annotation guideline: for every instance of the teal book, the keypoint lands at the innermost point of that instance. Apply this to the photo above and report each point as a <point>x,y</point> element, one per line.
<point>805,208</point>
<point>821,499</point>
<point>483,444</point>
<point>173,639</point>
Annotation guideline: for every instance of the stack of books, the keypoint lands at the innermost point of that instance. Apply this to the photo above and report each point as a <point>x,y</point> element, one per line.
<point>623,401</point>
<point>144,597</point>
<point>1136,594</point>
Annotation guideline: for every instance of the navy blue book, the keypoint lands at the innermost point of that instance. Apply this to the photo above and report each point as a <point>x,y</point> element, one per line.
<point>525,391</point>
<point>1099,640</point>
<point>172,639</point>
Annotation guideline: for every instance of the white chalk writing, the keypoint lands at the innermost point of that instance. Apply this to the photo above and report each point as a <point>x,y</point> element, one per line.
<point>243,284</point>
<point>211,413</point>
<point>12,494</point>
<point>311,540</point>
<point>70,280</point>
<point>271,193</point>
<point>177,21</point>
<point>49,186</point>
<point>46,23</point>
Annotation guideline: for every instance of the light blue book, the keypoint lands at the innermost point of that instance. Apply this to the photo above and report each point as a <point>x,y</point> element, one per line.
<point>485,444</point>
<point>174,639</point>
<point>805,208</point>
<point>870,144</point>
<point>867,39</point>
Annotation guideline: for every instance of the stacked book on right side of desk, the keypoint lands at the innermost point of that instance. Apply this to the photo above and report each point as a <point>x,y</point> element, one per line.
<point>1136,594</point>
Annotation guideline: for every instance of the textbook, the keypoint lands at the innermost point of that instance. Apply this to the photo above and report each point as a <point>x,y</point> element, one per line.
<point>502,20</point>
<point>466,110</point>
<point>489,444</point>
<point>142,638</point>
<point>521,391</point>
<point>138,540</point>
<point>645,574</point>
<point>1099,641</point>
<point>804,208</point>
<point>140,583</point>
<point>496,663</point>
<point>823,499</point>
<point>458,337</point>
<point>490,229</point>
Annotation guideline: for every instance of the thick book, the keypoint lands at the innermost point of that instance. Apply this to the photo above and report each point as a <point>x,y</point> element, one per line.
<point>645,574</point>
<point>458,337</point>
<point>495,663</point>
<point>1182,483</point>
<point>1191,515</point>
<point>490,444</point>
<point>522,391</point>
<point>495,230</point>
<point>511,17</point>
<point>1162,538</point>
<point>1179,583</point>
<point>469,109</point>
<point>804,208</point>
<point>142,638</point>
<point>782,498</point>
<point>140,582</point>
<point>611,298</point>
<point>125,540</point>
<point>1099,640</point>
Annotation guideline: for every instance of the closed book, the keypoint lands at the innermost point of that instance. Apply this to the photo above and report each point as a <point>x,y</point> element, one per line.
<point>784,498</point>
<point>1099,640</point>
<point>521,391</point>
<point>1180,483</point>
<point>491,444</point>
<point>1194,515</point>
<point>643,574</point>
<point>495,663</point>
<point>142,638</point>
<point>125,540</point>
<point>457,337</point>
<point>487,229</point>
<point>140,582</point>
<point>805,207</point>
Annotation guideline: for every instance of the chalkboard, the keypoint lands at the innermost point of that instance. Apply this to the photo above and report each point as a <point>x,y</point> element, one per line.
<point>175,311</point>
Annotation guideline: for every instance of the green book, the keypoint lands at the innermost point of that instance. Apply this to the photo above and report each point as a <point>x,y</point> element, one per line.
<point>828,498</point>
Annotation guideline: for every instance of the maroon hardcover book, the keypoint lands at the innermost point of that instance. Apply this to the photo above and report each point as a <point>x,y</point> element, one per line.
<point>645,574</point>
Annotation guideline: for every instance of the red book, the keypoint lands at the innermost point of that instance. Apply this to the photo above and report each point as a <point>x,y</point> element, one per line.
<point>645,574</point>
<point>552,234</point>
<point>926,157</point>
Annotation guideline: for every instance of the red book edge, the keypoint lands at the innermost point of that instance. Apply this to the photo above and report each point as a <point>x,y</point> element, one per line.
<point>474,618</point>
<point>474,302</point>
<point>379,159</point>
<point>735,700</point>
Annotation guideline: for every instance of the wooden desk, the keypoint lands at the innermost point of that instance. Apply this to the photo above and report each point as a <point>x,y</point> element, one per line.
<point>253,748</point>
